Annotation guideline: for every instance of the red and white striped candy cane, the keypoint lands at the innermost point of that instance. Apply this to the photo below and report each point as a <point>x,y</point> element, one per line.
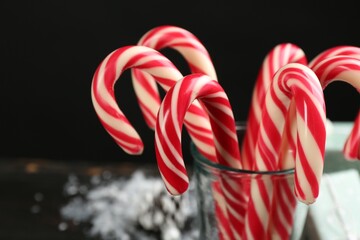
<point>293,81</point>
<point>299,82</point>
<point>351,148</point>
<point>168,138</point>
<point>169,124</point>
<point>184,42</point>
<point>345,69</point>
<point>328,66</point>
<point>279,56</point>
<point>289,139</point>
<point>346,50</point>
<point>221,213</point>
<point>199,61</point>
<point>109,113</point>
<point>351,51</point>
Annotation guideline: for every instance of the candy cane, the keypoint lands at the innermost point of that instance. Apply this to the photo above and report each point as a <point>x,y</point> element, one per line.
<point>299,82</point>
<point>168,138</point>
<point>221,213</point>
<point>351,149</point>
<point>110,115</point>
<point>289,139</point>
<point>283,205</point>
<point>275,59</point>
<point>353,139</point>
<point>199,61</point>
<point>345,50</point>
<point>345,69</point>
<point>181,40</point>
<point>328,67</point>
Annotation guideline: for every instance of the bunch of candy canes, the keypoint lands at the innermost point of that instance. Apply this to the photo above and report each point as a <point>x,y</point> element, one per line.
<point>287,112</point>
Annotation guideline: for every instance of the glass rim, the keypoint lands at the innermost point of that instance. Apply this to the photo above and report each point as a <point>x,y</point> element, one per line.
<point>198,157</point>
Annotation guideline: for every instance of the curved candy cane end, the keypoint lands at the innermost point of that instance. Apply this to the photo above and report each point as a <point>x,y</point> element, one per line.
<point>350,154</point>
<point>307,201</point>
<point>181,187</point>
<point>138,150</point>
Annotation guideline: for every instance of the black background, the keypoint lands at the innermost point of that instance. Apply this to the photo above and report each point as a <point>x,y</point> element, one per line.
<point>50,50</point>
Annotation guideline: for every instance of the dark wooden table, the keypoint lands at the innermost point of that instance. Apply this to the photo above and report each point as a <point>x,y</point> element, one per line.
<point>32,193</point>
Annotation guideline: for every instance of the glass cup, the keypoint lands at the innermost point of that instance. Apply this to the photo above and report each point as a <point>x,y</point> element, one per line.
<point>226,199</point>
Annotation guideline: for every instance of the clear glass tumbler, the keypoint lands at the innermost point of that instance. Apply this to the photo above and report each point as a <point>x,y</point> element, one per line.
<point>233,203</point>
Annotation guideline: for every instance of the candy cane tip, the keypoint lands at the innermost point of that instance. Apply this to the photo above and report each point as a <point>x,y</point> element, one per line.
<point>140,152</point>
<point>350,157</point>
<point>151,127</point>
<point>306,201</point>
<point>134,151</point>
<point>178,191</point>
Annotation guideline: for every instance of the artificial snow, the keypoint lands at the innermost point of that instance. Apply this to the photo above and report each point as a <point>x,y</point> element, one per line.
<point>138,207</point>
